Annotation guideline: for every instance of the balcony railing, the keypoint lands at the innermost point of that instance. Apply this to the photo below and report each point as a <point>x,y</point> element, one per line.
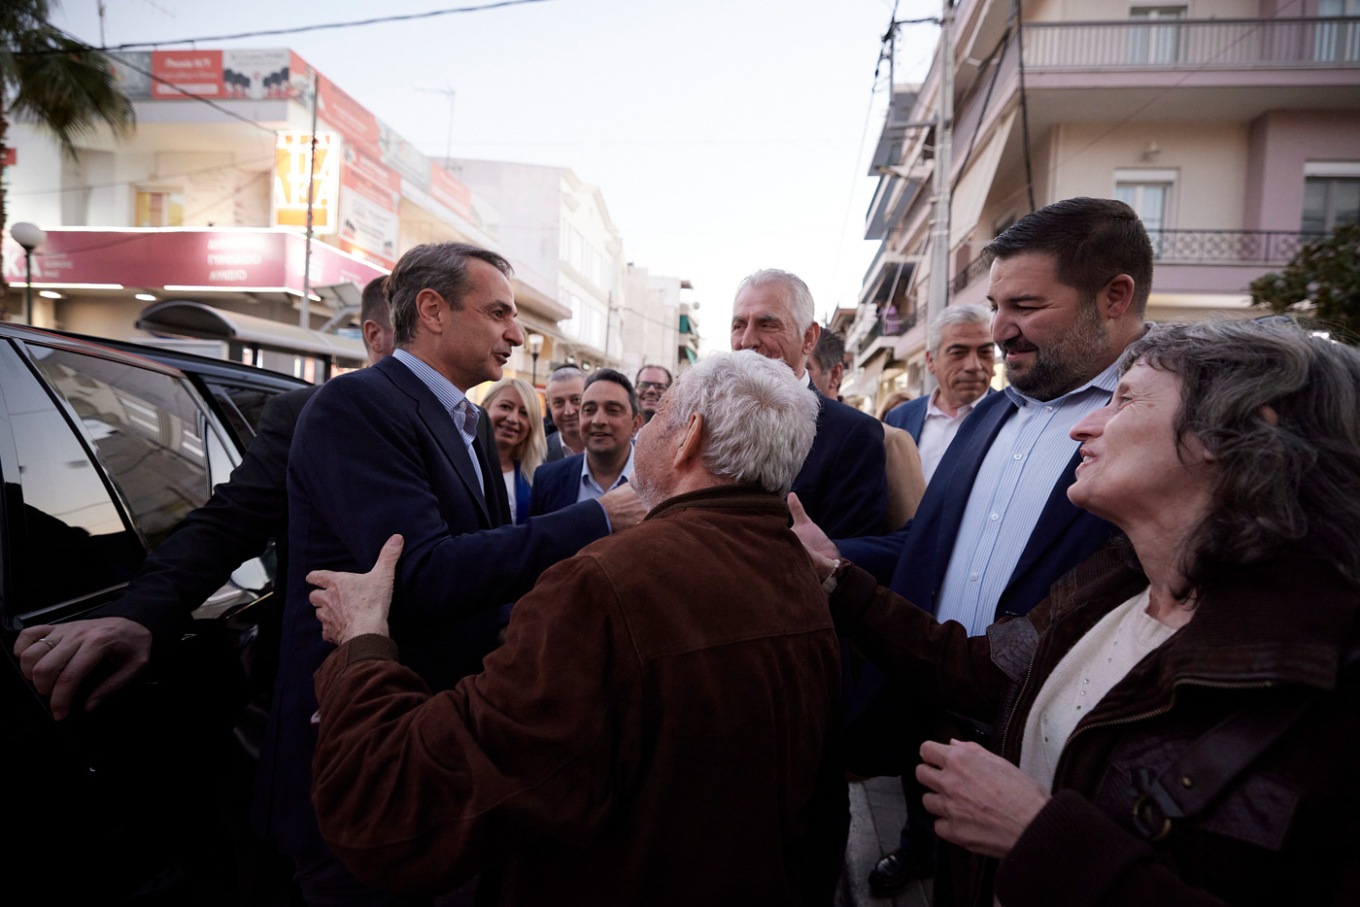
<point>1189,247</point>
<point>1196,43</point>
<point>887,325</point>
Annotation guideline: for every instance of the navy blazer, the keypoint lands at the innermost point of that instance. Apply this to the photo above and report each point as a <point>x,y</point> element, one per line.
<point>556,485</point>
<point>913,560</point>
<point>909,416</point>
<point>375,453</point>
<point>843,484</point>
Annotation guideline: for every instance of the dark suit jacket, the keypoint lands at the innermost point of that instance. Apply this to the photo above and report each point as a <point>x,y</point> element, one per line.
<point>375,454</point>
<point>235,525</point>
<point>556,485</point>
<point>913,561</point>
<point>555,451</point>
<point>843,484</point>
<point>910,416</point>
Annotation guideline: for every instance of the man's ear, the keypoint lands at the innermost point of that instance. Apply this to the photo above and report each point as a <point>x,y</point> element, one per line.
<point>638,422</point>
<point>691,442</point>
<point>1117,296</point>
<point>810,338</point>
<point>430,308</point>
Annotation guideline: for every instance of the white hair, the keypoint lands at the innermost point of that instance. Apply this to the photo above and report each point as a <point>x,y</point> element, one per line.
<point>954,314</point>
<point>796,293</point>
<point>759,420</point>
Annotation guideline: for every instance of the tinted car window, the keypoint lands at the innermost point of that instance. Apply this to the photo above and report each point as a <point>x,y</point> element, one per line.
<point>147,429</point>
<point>70,540</point>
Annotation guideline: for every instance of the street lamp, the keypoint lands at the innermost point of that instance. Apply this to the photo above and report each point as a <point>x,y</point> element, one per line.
<point>30,236</point>
<point>535,347</point>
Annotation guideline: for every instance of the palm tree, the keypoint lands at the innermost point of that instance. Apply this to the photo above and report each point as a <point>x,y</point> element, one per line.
<point>54,81</point>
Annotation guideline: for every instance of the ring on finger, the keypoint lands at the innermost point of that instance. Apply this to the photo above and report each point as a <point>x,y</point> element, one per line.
<point>50,644</point>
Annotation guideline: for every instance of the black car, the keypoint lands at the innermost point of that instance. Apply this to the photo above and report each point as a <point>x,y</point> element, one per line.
<point>103,452</point>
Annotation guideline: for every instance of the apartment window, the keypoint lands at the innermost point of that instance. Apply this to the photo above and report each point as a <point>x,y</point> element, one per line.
<point>1337,41</point>
<point>1149,194</point>
<point>160,208</point>
<point>1329,201</point>
<point>1160,40</point>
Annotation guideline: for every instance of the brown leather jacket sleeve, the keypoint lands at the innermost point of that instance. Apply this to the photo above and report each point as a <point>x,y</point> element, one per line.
<point>939,663</point>
<point>416,793</point>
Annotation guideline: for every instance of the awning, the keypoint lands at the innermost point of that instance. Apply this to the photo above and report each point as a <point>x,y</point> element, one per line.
<point>971,193</point>
<point>197,319</point>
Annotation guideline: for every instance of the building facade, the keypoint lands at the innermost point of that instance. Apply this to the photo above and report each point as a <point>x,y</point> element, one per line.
<point>1231,126</point>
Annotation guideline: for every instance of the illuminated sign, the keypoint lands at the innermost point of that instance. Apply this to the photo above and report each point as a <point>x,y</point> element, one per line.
<point>292,157</point>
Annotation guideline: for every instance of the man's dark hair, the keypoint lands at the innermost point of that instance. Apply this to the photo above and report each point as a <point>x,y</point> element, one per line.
<point>375,307</point>
<point>670,379</point>
<point>442,267</point>
<point>619,378</point>
<point>830,349</point>
<point>1092,241</point>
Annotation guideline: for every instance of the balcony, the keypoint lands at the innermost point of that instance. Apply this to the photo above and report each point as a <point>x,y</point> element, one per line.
<point>1139,53</point>
<point>1192,43</point>
<point>887,324</point>
<point>1258,248</point>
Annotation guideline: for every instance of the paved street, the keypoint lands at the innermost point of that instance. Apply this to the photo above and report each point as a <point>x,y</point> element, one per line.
<point>876,815</point>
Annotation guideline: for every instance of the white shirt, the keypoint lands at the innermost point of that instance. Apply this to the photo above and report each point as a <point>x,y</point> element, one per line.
<point>937,432</point>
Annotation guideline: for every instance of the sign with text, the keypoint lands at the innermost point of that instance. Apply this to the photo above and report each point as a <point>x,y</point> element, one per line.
<point>294,170</point>
<point>179,73</point>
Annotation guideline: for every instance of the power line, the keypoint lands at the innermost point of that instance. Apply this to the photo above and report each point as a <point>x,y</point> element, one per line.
<point>406,17</point>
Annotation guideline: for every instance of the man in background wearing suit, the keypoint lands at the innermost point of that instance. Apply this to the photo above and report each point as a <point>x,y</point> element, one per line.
<point>960,354</point>
<point>610,416</point>
<point>1069,285</point>
<point>398,448</point>
<point>843,482</point>
<point>563,392</point>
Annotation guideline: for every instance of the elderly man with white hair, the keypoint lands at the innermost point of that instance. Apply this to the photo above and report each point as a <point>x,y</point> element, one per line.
<point>652,730</point>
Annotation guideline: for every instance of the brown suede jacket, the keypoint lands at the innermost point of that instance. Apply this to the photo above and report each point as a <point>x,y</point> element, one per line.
<point>1286,832</point>
<point>650,732</point>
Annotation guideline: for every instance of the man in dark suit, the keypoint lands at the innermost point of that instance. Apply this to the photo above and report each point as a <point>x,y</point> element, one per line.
<point>563,393</point>
<point>611,414</point>
<point>843,480</point>
<point>995,529</point>
<point>961,355</point>
<point>398,448</point>
<point>234,525</point>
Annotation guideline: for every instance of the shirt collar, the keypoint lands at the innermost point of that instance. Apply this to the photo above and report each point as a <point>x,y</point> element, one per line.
<point>934,412</point>
<point>627,472</point>
<point>1105,381</point>
<point>447,392</point>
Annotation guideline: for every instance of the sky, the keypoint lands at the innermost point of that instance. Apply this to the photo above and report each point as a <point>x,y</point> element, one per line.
<point>725,135</point>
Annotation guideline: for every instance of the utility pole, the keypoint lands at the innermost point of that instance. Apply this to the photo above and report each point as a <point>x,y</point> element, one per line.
<point>938,292</point>
<point>305,315</point>
<point>448,140</point>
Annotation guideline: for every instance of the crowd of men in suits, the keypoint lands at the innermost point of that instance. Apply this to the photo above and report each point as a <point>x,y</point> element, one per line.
<point>399,448</point>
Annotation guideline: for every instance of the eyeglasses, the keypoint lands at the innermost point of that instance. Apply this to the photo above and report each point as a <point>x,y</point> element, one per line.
<point>653,386</point>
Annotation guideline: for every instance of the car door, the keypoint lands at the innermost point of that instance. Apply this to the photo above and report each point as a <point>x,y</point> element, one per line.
<point>100,458</point>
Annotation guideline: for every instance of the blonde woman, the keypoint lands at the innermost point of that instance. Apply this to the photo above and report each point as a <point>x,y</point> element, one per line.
<point>517,425</point>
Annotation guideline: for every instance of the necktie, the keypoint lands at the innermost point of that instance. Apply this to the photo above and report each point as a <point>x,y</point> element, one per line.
<point>467,414</point>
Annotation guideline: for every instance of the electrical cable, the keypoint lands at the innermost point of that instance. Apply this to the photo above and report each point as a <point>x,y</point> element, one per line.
<point>1024,98</point>
<point>378,20</point>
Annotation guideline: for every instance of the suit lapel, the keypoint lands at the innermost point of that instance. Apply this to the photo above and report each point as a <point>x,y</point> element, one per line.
<point>440,425</point>
<point>975,438</point>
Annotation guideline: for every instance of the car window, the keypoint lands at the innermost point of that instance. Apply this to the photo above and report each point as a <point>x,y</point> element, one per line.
<point>67,539</point>
<point>147,429</point>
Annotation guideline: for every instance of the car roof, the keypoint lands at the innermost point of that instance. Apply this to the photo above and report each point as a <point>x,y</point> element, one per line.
<point>179,360</point>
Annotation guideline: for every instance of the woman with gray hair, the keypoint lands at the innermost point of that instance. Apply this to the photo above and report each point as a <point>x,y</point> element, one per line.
<point>1179,722</point>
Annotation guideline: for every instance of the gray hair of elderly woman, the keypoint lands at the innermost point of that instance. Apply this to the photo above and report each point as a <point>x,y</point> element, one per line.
<point>759,420</point>
<point>1279,408</point>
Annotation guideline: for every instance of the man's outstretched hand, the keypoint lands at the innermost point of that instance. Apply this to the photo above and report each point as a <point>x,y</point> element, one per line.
<point>823,551</point>
<point>355,604</point>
